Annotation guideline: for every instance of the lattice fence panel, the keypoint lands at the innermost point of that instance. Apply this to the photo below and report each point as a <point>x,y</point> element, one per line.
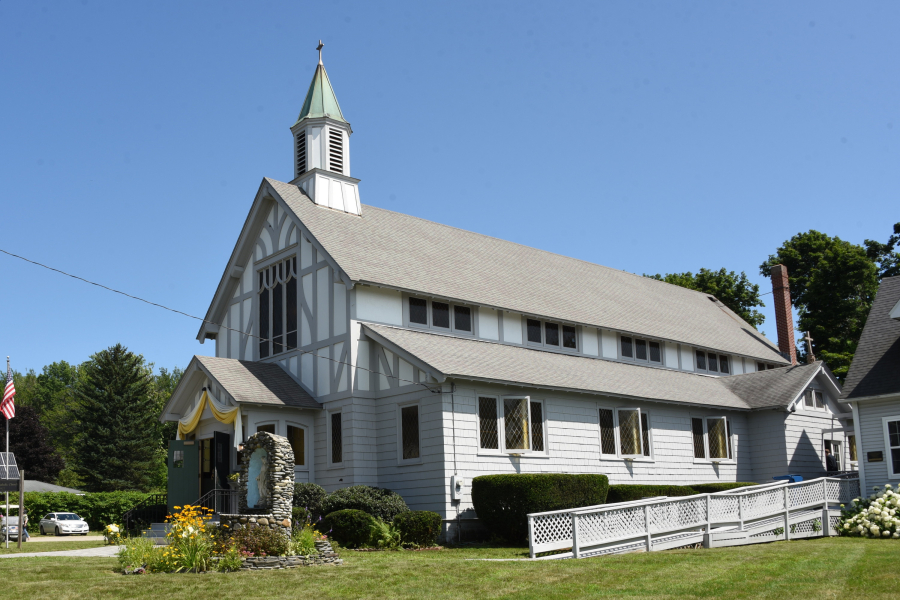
<point>806,493</point>
<point>810,526</point>
<point>675,515</point>
<point>834,490</point>
<point>552,528</point>
<point>833,522</point>
<point>723,508</point>
<point>763,503</point>
<point>848,490</point>
<point>597,527</point>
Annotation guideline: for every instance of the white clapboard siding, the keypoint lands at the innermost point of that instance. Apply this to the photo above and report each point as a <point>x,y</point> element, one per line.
<point>871,430</point>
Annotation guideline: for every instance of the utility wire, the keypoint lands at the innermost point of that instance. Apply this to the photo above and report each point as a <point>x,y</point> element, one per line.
<point>176,311</point>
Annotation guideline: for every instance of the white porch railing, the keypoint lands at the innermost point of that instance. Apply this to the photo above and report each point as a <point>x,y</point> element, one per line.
<point>747,515</point>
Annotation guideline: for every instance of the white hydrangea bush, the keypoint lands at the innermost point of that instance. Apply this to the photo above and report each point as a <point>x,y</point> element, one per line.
<point>877,516</point>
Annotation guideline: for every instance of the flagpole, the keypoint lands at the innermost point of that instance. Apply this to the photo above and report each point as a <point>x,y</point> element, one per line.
<point>6,466</point>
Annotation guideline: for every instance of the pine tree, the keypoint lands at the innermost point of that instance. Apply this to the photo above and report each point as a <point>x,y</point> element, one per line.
<point>116,441</point>
<point>30,443</point>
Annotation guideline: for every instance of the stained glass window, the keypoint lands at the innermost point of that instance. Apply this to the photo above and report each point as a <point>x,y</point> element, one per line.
<point>337,442</point>
<point>440,314</point>
<point>537,427</point>
<point>297,439</point>
<point>645,432</point>
<point>630,432</point>
<point>409,422</point>
<point>626,347</point>
<point>534,331</point>
<point>515,414</point>
<point>713,363</point>
<point>697,433</point>
<point>487,419</point>
<point>655,353</point>
<point>640,349</point>
<point>607,432</point>
<point>718,438</point>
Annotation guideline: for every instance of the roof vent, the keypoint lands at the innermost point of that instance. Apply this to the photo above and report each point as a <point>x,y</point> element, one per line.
<point>301,153</point>
<point>335,150</point>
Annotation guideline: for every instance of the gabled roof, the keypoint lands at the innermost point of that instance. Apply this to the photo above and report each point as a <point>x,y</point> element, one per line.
<point>320,98</point>
<point>775,388</point>
<point>408,253</point>
<point>251,382</point>
<point>875,370</point>
<point>446,356</point>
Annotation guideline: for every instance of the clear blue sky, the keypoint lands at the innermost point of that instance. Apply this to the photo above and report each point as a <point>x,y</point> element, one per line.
<point>649,137</point>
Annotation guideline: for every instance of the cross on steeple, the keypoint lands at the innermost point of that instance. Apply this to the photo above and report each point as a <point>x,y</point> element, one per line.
<point>810,357</point>
<point>319,48</point>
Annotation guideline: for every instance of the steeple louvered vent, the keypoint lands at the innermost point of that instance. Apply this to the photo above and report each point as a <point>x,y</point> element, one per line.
<point>335,150</point>
<point>301,153</point>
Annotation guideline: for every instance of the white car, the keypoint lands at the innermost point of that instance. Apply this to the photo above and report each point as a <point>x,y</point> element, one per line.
<point>13,532</point>
<point>63,523</point>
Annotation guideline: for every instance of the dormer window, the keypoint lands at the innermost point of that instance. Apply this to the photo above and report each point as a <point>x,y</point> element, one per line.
<point>814,399</point>
<point>277,291</point>
<point>710,362</point>
<point>640,350</point>
<point>455,317</point>
<point>551,334</point>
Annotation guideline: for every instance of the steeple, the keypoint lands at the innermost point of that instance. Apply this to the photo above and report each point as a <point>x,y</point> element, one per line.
<point>322,147</point>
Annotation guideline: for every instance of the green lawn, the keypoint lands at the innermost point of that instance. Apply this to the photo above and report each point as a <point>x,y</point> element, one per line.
<point>824,568</point>
<point>48,546</point>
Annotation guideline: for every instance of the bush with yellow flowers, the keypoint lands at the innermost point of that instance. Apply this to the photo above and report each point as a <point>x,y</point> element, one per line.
<point>112,534</point>
<point>190,539</point>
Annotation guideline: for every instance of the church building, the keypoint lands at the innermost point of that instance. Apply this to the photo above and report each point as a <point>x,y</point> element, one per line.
<point>396,352</point>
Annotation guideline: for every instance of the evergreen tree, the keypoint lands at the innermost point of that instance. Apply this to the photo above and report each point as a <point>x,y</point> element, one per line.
<point>733,290</point>
<point>117,440</point>
<point>30,443</point>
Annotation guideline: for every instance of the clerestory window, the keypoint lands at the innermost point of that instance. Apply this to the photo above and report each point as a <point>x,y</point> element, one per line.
<point>547,333</point>
<point>640,350</point>
<point>710,362</point>
<point>277,292</point>
<point>442,315</point>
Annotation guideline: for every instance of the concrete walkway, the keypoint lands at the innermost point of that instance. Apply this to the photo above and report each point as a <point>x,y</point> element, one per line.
<point>65,538</point>
<point>101,551</point>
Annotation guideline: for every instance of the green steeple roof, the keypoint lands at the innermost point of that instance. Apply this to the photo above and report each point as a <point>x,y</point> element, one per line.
<point>320,99</point>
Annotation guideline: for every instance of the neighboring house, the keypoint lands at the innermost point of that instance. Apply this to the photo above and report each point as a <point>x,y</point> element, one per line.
<point>396,352</point>
<point>873,390</point>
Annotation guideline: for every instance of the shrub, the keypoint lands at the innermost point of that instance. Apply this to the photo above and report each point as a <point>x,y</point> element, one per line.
<point>419,527</point>
<point>260,541</point>
<point>350,527</point>
<point>230,559</point>
<point>310,496</point>
<point>873,517</point>
<point>712,488</point>
<point>137,552</point>
<point>629,492</point>
<point>503,501</point>
<point>303,541</point>
<point>98,509</point>
<point>380,503</point>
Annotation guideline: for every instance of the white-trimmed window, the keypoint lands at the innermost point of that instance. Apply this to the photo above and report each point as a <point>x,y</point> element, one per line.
<point>625,432</point>
<point>640,350</point>
<point>296,436</point>
<point>335,438</point>
<point>408,423</point>
<point>511,424</point>
<point>710,362</point>
<point>553,335</point>
<point>712,438</point>
<point>814,399</point>
<point>441,315</point>
<point>892,444</point>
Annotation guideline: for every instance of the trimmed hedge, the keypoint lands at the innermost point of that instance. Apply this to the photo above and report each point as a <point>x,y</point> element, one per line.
<point>419,527</point>
<point>503,501</point>
<point>378,502</point>
<point>629,492</point>
<point>99,509</point>
<point>310,496</point>
<point>712,488</point>
<point>351,528</point>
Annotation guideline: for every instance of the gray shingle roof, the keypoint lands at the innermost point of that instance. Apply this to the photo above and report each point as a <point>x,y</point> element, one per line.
<point>395,250</point>
<point>875,370</point>
<point>257,382</point>
<point>773,388</point>
<point>474,359</point>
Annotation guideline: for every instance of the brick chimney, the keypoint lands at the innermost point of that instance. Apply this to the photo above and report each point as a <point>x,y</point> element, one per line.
<point>784,319</point>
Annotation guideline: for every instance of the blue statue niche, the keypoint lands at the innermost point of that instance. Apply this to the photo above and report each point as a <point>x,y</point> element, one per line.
<point>258,480</point>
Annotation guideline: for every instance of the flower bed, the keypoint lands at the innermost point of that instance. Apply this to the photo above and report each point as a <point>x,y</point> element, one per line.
<point>877,516</point>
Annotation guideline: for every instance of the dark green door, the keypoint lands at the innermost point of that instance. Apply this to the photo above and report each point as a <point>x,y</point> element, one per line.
<point>184,473</point>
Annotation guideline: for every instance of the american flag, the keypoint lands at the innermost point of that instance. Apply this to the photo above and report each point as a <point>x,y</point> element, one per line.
<point>7,407</point>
